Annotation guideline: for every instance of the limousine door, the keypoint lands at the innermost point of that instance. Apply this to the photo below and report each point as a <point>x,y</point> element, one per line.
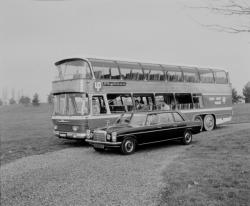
<point>179,124</point>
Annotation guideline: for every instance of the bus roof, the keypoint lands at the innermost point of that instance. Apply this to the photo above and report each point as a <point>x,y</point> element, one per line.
<point>136,63</point>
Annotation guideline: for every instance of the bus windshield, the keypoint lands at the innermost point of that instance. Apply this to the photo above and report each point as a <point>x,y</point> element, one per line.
<point>73,69</point>
<point>71,104</point>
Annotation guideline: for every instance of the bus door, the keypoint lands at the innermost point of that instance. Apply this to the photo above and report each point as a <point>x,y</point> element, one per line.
<point>99,112</point>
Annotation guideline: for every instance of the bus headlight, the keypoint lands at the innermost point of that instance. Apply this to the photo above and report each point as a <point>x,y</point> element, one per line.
<point>55,127</point>
<point>75,128</point>
<point>113,136</point>
<point>108,137</point>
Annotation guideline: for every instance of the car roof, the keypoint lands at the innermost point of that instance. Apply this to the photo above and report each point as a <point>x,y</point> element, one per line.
<point>155,112</point>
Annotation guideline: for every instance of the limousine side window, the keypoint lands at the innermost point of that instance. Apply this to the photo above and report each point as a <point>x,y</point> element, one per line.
<point>177,117</point>
<point>152,119</point>
<point>166,118</point>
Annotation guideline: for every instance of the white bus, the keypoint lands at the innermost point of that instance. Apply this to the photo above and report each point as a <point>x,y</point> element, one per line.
<point>91,92</point>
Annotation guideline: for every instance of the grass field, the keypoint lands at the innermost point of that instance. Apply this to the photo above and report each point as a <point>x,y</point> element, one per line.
<point>27,130</point>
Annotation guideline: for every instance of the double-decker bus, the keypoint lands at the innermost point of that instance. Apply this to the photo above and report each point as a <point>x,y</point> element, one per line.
<point>92,92</point>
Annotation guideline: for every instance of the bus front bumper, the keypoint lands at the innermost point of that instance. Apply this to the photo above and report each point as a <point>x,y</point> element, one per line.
<point>70,135</point>
<point>106,144</point>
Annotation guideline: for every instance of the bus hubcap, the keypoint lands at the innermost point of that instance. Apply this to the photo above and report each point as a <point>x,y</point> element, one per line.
<point>209,122</point>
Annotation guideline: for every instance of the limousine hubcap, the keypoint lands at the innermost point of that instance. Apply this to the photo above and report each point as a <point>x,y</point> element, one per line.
<point>129,146</point>
<point>188,137</point>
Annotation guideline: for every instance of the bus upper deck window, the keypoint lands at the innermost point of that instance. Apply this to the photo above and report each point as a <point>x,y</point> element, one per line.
<point>206,76</point>
<point>103,72</point>
<point>154,75</point>
<point>220,77</point>
<point>174,76</point>
<point>73,69</point>
<point>191,77</point>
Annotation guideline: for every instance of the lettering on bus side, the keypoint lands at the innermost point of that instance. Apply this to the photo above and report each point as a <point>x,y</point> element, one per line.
<point>114,83</point>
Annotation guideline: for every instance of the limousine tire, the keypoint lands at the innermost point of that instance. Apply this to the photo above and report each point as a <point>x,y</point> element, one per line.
<point>209,122</point>
<point>98,149</point>
<point>128,146</point>
<point>187,137</point>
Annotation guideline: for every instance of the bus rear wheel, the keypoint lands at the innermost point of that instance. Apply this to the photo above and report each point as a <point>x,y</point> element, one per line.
<point>209,122</point>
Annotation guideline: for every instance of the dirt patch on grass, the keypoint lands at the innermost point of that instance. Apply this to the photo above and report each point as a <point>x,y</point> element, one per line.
<point>214,171</point>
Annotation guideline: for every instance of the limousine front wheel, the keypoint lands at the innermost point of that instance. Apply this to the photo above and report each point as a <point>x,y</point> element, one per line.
<point>187,137</point>
<point>128,146</point>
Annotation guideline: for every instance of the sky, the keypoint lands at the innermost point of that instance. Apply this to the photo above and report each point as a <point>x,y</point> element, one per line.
<point>36,33</point>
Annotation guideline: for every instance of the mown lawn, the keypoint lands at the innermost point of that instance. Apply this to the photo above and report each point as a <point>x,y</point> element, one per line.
<point>27,130</point>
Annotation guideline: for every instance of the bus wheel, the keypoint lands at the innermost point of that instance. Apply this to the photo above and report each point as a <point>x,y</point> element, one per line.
<point>199,118</point>
<point>187,137</point>
<point>128,146</point>
<point>209,122</point>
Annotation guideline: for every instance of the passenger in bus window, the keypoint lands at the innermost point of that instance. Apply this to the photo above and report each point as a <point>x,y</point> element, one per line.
<point>165,106</point>
<point>138,105</point>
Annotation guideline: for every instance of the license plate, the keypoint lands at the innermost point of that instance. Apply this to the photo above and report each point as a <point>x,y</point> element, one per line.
<point>63,135</point>
<point>101,146</point>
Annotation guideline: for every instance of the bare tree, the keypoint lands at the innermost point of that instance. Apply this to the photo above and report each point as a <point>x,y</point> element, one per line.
<point>229,8</point>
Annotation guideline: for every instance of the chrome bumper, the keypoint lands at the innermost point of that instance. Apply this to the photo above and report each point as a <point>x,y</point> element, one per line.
<point>103,143</point>
<point>70,135</point>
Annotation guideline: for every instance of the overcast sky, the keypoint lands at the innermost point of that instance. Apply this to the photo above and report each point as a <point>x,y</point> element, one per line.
<point>35,34</point>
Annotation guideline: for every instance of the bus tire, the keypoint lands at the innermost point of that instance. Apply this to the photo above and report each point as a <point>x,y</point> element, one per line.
<point>187,137</point>
<point>128,146</point>
<point>209,122</point>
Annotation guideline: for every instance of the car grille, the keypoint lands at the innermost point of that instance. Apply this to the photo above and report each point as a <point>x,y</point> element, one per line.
<point>99,136</point>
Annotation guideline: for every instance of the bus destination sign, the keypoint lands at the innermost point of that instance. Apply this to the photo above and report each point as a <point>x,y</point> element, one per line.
<point>98,85</point>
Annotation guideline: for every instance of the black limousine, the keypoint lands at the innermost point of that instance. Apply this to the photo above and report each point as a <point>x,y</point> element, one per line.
<point>134,129</point>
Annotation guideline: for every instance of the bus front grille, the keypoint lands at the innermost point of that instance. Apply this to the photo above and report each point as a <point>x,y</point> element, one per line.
<point>99,136</point>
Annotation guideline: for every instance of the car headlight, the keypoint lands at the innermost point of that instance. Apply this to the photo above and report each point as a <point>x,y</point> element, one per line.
<point>113,136</point>
<point>55,127</point>
<point>108,137</point>
<point>75,128</point>
<point>88,133</point>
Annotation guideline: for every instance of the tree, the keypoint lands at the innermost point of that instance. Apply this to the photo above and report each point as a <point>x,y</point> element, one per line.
<point>12,101</point>
<point>235,97</point>
<point>24,100</point>
<point>230,8</point>
<point>246,92</point>
<point>50,98</point>
<point>35,100</point>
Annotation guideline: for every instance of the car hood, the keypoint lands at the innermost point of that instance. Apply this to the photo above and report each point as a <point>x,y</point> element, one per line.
<point>119,128</point>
